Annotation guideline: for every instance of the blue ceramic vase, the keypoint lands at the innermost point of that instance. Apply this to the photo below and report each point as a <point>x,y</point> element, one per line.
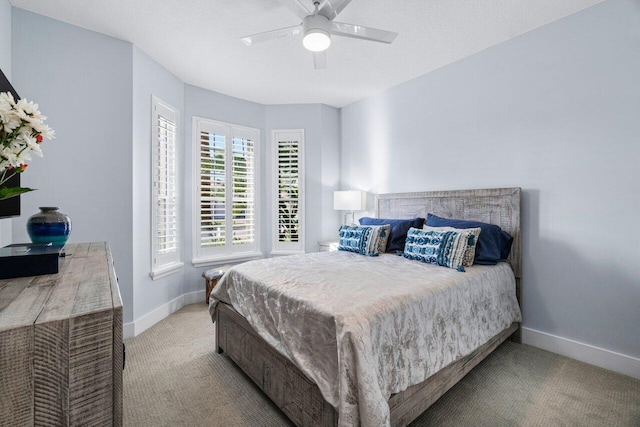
<point>49,226</point>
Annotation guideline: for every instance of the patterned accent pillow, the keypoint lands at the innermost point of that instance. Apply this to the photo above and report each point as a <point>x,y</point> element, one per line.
<point>470,253</point>
<point>385,232</point>
<point>361,239</point>
<point>445,248</point>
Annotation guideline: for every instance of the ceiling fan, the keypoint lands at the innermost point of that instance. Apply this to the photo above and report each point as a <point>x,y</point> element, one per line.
<point>318,26</point>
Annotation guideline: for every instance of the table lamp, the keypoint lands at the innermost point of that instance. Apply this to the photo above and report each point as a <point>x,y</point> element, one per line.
<point>349,201</point>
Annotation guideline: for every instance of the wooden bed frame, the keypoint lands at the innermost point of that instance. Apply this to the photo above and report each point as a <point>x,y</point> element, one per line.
<point>297,396</point>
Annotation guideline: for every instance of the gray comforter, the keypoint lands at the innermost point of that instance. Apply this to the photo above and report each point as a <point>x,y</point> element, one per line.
<point>363,328</point>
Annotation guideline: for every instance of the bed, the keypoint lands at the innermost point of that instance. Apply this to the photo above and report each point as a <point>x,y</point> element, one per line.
<point>352,366</point>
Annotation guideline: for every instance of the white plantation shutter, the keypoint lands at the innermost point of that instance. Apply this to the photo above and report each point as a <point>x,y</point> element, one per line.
<point>243,155</point>
<point>166,187</point>
<point>288,191</point>
<point>213,180</point>
<point>288,171</point>
<point>227,199</point>
<point>165,221</point>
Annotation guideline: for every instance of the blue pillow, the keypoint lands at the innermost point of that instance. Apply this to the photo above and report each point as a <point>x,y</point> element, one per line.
<point>493,245</point>
<point>399,228</point>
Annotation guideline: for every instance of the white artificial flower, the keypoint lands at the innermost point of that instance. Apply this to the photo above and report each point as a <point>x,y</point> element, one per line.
<point>20,109</point>
<point>29,140</point>
<point>11,121</point>
<point>4,116</point>
<point>7,98</point>
<point>4,105</point>
<point>24,156</point>
<point>10,157</point>
<point>33,121</point>
<point>35,148</point>
<point>35,118</point>
<point>29,108</point>
<point>21,125</point>
<point>46,131</point>
<point>17,144</point>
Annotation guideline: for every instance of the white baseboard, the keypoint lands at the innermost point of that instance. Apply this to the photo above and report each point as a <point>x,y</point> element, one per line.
<point>193,297</point>
<point>597,356</point>
<point>130,330</point>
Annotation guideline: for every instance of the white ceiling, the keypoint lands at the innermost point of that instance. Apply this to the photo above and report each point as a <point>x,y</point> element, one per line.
<point>198,40</point>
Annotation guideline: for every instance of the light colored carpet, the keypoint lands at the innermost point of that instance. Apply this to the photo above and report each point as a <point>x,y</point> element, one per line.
<point>173,377</point>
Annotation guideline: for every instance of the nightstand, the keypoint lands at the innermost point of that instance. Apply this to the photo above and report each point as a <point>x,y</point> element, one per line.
<point>327,246</point>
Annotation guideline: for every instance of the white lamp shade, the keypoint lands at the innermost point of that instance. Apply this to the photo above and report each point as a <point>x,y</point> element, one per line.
<point>351,200</point>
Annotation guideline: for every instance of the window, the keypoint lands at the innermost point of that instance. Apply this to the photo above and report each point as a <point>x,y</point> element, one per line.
<point>288,182</point>
<point>165,219</point>
<point>226,199</point>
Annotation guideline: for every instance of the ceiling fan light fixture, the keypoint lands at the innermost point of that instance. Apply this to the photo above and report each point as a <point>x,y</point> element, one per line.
<point>316,40</point>
<point>318,28</point>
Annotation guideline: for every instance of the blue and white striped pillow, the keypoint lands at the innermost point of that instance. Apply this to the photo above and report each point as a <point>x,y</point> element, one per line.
<point>445,248</point>
<point>362,239</point>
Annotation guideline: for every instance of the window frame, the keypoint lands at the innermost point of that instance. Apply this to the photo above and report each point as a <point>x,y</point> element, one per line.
<point>277,247</point>
<point>164,264</point>
<point>216,255</point>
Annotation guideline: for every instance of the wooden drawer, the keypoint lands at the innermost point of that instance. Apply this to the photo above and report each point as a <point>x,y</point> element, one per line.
<point>298,397</point>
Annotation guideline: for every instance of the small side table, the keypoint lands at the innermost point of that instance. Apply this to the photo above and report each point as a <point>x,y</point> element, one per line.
<point>211,278</point>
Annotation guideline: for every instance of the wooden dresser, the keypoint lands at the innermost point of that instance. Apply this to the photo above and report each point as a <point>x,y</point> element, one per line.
<point>61,355</point>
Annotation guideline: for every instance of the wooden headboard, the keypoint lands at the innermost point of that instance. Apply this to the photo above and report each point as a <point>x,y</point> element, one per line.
<point>499,206</point>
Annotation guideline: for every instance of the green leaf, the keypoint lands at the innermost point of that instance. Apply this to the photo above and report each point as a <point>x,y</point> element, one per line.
<point>7,193</point>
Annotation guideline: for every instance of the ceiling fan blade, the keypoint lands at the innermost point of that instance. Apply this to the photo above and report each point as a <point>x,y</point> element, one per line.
<point>271,35</point>
<point>331,8</point>
<point>320,60</point>
<point>364,33</point>
<point>299,7</point>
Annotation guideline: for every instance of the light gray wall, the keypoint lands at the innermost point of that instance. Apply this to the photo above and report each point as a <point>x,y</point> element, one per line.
<point>5,66</point>
<point>82,81</point>
<point>5,37</point>
<point>330,180</point>
<point>322,135</point>
<point>150,78</point>
<point>555,111</point>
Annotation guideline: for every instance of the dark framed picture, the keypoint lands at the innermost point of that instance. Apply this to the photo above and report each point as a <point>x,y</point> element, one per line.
<point>9,207</point>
